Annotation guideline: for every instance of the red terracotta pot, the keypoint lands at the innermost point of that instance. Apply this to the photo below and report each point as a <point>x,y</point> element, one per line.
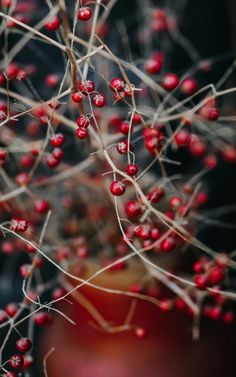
<point>168,350</point>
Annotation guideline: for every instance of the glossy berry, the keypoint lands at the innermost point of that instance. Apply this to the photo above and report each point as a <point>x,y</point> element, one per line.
<point>132,169</point>
<point>117,188</point>
<point>122,147</point>
<point>133,209</point>
<point>83,121</point>
<point>23,344</point>
<point>99,100</point>
<point>16,361</point>
<point>77,97</point>
<point>116,84</point>
<point>86,87</point>
<point>84,14</point>
<point>57,140</point>
<point>81,133</point>
<point>170,81</point>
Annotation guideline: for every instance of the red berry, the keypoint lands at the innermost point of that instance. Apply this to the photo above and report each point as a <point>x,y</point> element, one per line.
<point>51,161</point>
<point>140,332</point>
<point>58,293</point>
<point>57,153</point>
<point>28,362</point>
<point>57,140</point>
<point>25,270</point>
<point>22,179</point>
<point>81,133</point>
<point>200,281</point>
<point>27,161</point>
<point>229,154</point>
<point>155,234</point>
<point>137,118</point>
<point>77,97</point>
<point>52,80</point>
<point>42,318</point>
<point>116,84</point>
<point>201,198</point>
<point>197,148</point>
<point>210,161</point>
<point>175,202</point>
<point>168,244</point>
<point>122,147</point>
<point>3,316</point>
<point>41,206</point>
<point>84,14</point>
<point>216,275</point>
<point>19,225</point>
<point>53,24</point>
<point>124,127</point>
<point>16,361</point>
<point>188,86</point>
<point>23,344</point>
<point>86,87</point>
<point>155,195</point>
<point>182,138</point>
<point>11,309</point>
<point>133,209</point>
<point>117,188</point>
<point>170,81</point>
<point>99,100</point>
<point>153,66</point>
<point>132,169</point>
<point>83,121</point>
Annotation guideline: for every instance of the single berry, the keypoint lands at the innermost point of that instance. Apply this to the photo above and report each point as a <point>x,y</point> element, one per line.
<point>23,344</point>
<point>16,361</point>
<point>117,188</point>
<point>84,14</point>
